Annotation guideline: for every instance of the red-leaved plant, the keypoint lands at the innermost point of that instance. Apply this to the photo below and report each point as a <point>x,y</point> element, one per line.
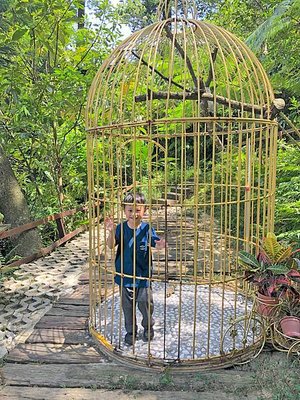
<point>275,270</point>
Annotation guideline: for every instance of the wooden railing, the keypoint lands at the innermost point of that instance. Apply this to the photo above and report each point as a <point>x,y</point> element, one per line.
<point>62,235</point>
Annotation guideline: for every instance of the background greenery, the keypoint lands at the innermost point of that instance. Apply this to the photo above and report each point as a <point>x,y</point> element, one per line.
<point>50,52</point>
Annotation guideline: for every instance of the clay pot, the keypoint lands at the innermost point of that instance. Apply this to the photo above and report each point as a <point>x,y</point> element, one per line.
<point>290,326</point>
<point>266,305</point>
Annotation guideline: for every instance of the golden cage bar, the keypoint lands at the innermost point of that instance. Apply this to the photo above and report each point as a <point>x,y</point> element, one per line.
<point>182,111</point>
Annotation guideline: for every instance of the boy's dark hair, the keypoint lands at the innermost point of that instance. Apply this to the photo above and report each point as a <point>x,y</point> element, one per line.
<point>132,198</point>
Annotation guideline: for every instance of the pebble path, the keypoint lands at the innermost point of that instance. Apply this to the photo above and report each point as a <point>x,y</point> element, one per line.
<point>201,329</point>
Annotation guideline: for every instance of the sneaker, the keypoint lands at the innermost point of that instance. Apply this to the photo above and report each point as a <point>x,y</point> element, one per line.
<point>129,339</point>
<point>148,335</point>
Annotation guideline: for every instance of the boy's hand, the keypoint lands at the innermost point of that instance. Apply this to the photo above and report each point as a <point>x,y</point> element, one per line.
<point>160,244</point>
<point>109,224</point>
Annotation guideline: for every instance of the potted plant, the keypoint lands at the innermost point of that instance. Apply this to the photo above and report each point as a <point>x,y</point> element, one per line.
<point>290,316</point>
<point>272,272</point>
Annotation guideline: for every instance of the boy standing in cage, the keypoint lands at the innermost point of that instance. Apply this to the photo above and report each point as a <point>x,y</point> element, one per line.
<point>133,264</point>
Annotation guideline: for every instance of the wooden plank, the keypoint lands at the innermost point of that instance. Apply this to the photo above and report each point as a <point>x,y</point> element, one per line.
<point>46,250</point>
<point>84,277</point>
<point>69,310</point>
<point>80,292</point>
<point>54,353</point>
<point>108,375</point>
<point>79,296</point>
<point>4,227</point>
<point>51,321</point>
<point>34,393</point>
<point>76,301</point>
<point>59,336</point>
<point>33,224</point>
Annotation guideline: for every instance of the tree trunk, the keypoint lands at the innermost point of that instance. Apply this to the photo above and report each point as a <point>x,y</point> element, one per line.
<point>14,207</point>
<point>81,14</point>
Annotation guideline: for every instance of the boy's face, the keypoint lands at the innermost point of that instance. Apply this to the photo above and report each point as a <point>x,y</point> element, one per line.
<point>134,214</point>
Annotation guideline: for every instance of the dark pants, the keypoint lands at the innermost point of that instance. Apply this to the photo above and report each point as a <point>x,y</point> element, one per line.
<point>144,298</point>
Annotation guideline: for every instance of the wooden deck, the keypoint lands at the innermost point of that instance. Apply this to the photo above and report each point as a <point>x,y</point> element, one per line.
<point>61,335</point>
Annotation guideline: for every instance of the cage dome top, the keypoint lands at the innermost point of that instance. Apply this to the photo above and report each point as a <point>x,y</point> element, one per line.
<point>179,68</point>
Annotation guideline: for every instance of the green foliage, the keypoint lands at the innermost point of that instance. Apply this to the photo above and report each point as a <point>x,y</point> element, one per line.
<point>270,27</point>
<point>272,253</point>
<point>247,259</point>
<point>290,307</point>
<point>271,247</point>
<point>43,93</point>
<point>138,13</point>
<point>277,41</point>
<point>47,65</point>
<point>287,209</point>
<point>141,13</point>
<point>279,269</point>
<point>241,17</point>
<point>6,48</point>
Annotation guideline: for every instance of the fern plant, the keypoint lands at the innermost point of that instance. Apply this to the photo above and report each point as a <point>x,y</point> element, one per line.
<point>274,269</point>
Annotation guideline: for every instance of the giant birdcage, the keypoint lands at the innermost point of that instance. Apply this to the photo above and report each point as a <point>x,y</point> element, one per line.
<point>182,112</point>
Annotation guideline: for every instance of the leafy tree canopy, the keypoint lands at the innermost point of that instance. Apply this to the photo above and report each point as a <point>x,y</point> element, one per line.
<point>140,13</point>
<point>43,90</point>
<point>47,64</point>
<point>277,43</point>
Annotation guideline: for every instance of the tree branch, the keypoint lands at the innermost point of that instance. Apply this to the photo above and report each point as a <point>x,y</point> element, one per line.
<point>63,156</point>
<point>165,78</point>
<point>291,124</point>
<point>210,73</point>
<point>72,127</point>
<point>60,19</point>
<point>88,50</point>
<point>195,96</point>
<point>56,45</point>
<point>186,58</point>
<point>102,22</point>
<point>164,10</point>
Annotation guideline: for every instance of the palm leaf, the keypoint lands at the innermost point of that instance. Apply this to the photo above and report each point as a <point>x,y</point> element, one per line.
<point>274,24</point>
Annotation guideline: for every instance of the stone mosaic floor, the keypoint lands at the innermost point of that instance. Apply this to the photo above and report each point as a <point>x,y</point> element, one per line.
<point>196,339</point>
<point>29,293</point>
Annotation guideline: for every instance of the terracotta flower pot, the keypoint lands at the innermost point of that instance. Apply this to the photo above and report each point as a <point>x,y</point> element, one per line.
<point>266,305</point>
<point>290,326</point>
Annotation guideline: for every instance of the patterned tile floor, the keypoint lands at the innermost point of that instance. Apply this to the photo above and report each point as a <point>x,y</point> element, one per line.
<point>27,295</point>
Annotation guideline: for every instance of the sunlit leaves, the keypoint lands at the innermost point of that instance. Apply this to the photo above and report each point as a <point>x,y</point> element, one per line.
<point>43,94</point>
<point>18,34</point>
